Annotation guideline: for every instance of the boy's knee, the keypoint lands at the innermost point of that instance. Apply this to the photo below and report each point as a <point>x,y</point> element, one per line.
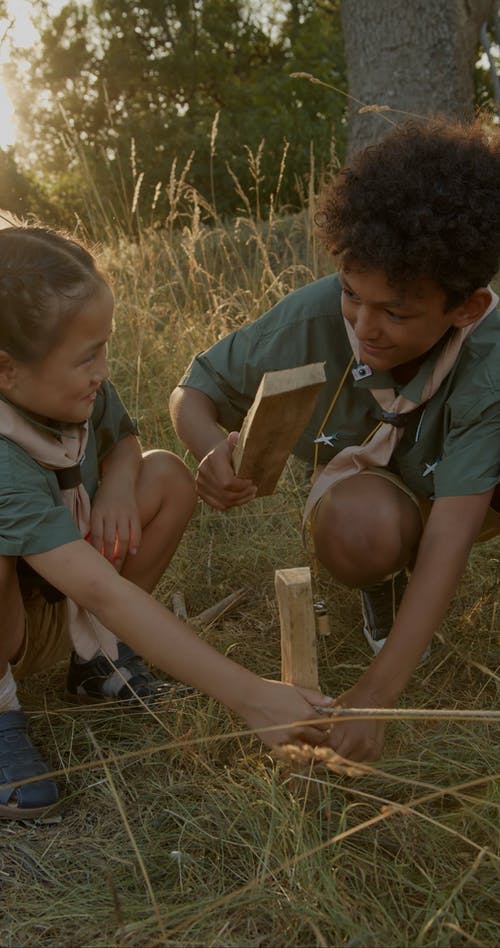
<point>360,542</point>
<point>171,474</point>
<point>356,536</point>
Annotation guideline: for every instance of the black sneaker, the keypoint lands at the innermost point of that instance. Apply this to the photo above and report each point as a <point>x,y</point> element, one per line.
<point>92,681</point>
<point>380,604</point>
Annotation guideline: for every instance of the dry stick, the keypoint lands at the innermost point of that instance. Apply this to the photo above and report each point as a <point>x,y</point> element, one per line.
<point>222,607</point>
<point>213,612</point>
<point>410,714</point>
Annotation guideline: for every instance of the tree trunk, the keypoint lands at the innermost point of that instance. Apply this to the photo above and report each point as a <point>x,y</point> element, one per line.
<point>416,56</point>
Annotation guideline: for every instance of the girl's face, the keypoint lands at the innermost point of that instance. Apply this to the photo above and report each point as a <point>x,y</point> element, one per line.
<point>63,385</point>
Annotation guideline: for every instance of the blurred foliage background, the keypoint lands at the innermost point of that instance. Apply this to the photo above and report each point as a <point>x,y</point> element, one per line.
<point>115,96</point>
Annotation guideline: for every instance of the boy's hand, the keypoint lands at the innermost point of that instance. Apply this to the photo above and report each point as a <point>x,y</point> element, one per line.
<point>217,483</point>
<point>115,526</point>
<point>276,703</point>
<point>361,739</point>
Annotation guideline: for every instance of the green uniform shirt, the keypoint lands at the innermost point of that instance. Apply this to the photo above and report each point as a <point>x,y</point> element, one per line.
<point>450,446</point>
<point>33,518</point>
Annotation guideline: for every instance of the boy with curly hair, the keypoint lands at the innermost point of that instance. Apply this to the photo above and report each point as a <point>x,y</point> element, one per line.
<point>404,437</point>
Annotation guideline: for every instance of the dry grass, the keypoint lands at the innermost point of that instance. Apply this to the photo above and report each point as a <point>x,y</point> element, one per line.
<point>176,828</point>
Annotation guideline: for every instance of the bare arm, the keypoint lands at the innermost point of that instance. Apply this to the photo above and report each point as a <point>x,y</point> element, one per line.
<point>194,416</point>
<point>452,527</point>
<point>139,620</point>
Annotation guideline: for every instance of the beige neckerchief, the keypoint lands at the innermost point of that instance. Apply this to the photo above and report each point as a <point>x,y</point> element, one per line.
<point>378,451</point>
<point>56,452</point>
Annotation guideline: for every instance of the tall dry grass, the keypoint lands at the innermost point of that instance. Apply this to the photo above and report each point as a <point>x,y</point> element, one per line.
<point>176,827</point>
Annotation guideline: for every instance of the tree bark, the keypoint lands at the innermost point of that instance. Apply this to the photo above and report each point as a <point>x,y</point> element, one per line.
<point>414,56</point>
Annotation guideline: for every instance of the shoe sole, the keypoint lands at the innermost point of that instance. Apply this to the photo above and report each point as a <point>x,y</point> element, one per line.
<point>132,702</point>
<point>377,645</point>
<point>25,813</point>
<point>98,700</point>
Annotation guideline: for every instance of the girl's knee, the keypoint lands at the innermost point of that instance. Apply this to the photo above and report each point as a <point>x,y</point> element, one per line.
<point>8,572</point>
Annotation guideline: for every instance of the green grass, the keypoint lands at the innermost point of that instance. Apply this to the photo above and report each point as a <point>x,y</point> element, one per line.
<point>177,828</point>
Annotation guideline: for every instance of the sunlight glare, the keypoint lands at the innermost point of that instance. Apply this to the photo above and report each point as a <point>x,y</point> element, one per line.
<point>16,29</point>
<point>7,123</point>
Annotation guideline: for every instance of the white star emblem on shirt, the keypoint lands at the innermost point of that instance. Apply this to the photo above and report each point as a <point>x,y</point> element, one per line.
<point>430,468</point>
<point>327,439</point>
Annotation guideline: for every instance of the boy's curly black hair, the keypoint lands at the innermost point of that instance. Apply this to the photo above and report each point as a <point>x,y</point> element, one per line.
<point>424,202</point>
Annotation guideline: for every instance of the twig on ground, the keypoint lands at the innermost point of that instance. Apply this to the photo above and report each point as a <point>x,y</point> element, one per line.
<point>208,616</point>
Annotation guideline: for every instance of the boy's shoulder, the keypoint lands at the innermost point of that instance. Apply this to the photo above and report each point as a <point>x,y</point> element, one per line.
<point>480,361</point>
<point>473,388</point>
<point>309,303</point>
<point>486,336</point>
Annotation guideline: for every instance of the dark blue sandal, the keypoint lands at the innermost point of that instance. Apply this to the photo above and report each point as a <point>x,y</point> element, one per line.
<point>19,759</point>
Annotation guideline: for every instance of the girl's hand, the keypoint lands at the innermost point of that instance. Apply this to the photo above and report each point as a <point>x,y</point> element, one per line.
<point>115,526</point>
<point>216,481</point>
<point>361,739</point>
<point>288,710</point>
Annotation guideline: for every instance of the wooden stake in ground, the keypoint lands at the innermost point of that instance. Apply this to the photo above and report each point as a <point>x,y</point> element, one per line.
<point>282,407</point>
<point>299,661</point>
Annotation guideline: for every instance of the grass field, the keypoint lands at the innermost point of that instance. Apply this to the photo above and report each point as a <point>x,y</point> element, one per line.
<point>176,827</point>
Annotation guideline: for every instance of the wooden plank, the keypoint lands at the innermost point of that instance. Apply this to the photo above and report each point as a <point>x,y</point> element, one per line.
<point>299,660</point>
<point>281,409</point>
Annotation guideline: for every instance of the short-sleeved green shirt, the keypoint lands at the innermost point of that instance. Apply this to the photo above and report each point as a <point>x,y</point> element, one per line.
<point>450,446</point>
<point>33,518</point>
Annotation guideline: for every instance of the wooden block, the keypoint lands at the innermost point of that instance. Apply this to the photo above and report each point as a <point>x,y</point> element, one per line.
<point>299,661</point>
<point>281,409</point>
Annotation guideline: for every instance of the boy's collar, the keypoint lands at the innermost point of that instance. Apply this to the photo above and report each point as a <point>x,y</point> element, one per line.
<point>412,389</point>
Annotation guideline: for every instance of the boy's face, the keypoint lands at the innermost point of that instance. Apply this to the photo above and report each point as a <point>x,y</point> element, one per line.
<point>63,385</point>
<point>394,326</point>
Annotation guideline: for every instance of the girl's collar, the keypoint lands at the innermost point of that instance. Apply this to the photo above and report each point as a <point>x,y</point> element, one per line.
<point>56,428</point>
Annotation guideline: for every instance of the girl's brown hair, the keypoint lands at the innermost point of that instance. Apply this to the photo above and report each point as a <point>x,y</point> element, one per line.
<point>45,278</point>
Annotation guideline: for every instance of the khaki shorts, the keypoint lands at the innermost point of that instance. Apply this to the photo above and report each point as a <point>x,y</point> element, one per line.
<point>47,638</point>
<point>491,522</point>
